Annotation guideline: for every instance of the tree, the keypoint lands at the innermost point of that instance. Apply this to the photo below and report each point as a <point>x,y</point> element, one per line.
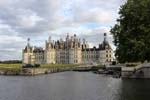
<point>132,32</point>
<point>10,61</point>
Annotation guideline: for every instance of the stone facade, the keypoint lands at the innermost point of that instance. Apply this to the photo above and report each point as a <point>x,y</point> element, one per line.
<point>68,51</point>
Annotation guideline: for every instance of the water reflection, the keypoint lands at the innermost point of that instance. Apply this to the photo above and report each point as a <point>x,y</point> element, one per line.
<point>135,89</point>
<point>72,86</point>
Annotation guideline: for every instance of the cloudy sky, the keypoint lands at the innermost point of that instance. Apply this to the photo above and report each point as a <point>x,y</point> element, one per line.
<point>37,19</point>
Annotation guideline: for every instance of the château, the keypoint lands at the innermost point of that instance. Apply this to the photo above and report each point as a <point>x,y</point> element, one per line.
<point>71,50</point>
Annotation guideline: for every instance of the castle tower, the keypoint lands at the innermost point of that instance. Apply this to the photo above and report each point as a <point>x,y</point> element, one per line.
<point>28,45</point>
<point>28,42</point>
<point>105,37</point>
<point>50,51</point>
<point>27,53</point>
<point>48,43</point>
<point>84,44</point>
<point>105,42</point>
<point>67,38</point>
<point>49,38</point>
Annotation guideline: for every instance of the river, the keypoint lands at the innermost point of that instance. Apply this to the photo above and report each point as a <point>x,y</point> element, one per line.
<point>72,86</point>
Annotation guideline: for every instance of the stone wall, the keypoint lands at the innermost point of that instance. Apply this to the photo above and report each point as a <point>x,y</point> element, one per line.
<point>141,71</point>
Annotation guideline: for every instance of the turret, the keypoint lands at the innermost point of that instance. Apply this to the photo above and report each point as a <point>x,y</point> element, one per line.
<point>84,44</point>
<point>87,45</point>
<point>67,41</point>
<point>75,36</point>
<point>49,38</point>
<point>105,37</point>
<point>28,45</point>
<point>105,43</point>
<point>83,41</point>
<point>48,43</point>
<point>67,38</point>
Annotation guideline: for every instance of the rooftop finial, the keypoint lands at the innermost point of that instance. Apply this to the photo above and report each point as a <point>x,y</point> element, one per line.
<point>28,42</point>
<point>67,34</point>
<point>105,35</point>
<point>67,38</point>
<point>84,41</point>
<point>49,38</point>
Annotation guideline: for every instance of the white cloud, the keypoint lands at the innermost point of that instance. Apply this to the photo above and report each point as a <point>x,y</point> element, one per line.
<point>10,39</point>
<point>20,19</point>
<point>30,21</point>
<point>4,3</point>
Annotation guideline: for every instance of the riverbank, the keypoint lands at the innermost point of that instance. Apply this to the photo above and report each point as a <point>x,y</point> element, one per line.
<point>16,69</point>
<point>32,71</point>
<point>19,66</point>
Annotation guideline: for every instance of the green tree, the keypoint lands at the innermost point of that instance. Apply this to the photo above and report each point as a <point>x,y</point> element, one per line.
<point>132,32</point>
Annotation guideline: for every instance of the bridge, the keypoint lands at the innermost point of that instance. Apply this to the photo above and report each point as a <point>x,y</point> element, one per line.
<point>140,71</point>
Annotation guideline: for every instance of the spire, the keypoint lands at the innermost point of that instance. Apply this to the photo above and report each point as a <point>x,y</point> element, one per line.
<point>67,35</point>
<point>49,38</point>
<point>105,37</point>
<point>79,40</point>
<point>84,41</point>
<point>75,35</point>
<point>105,43</point>
<point>28,42</point>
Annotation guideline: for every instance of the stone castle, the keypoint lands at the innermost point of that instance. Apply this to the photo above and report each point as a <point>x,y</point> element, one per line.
<point>68,51</point>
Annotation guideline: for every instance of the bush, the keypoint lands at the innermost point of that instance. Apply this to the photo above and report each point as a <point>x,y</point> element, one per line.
<point>31,66</point>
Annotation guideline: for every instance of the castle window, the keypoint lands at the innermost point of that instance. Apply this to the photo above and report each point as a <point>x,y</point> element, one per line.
<point>107,55</point>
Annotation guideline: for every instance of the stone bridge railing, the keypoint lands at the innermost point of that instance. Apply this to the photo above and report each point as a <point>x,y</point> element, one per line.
<point>140,71</point>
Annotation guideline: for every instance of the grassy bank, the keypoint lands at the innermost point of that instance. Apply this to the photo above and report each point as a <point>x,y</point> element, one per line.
<point>10,66</point>
<point>18,66</point>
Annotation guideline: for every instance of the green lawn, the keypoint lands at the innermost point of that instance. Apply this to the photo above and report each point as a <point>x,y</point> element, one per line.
<point>10,66</point>
<point>17,66</point>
